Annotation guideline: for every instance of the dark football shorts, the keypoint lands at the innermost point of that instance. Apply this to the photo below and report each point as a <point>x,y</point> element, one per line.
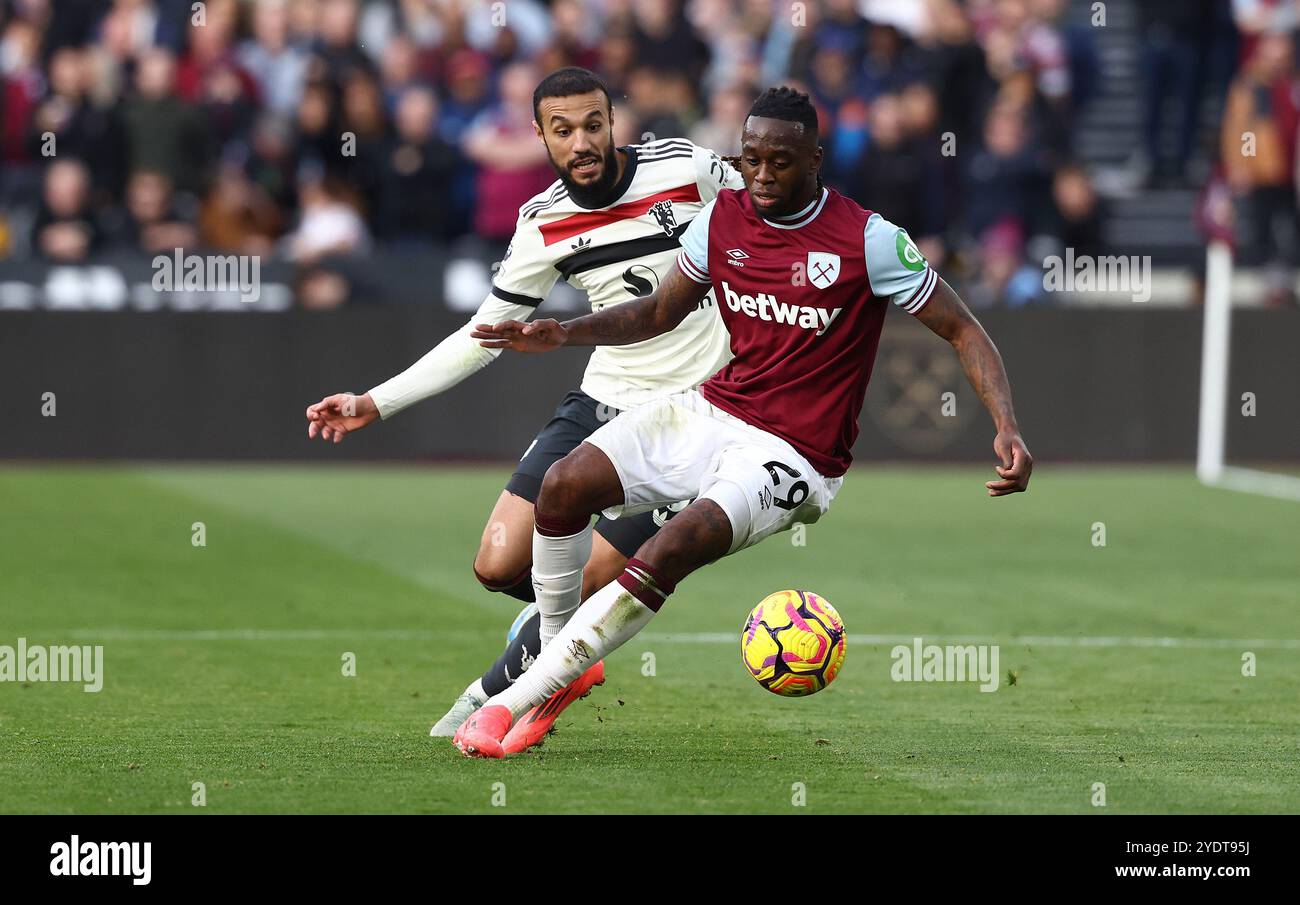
<point>576,418</point>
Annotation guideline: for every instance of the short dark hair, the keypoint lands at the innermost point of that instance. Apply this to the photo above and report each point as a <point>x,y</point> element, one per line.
<point>568,81</point>
<point>787,104</point>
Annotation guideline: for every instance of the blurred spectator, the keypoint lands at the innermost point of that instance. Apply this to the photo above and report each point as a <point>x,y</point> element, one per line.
<point>1077,211</point>
<point>210,76</point>
<point>720,131</point>
<point>22,81</point>
<point>512,164</point>
<point>278,65</point>
<point>238,215</point>
<point>400,68</point>
<point>337,51</point>
<point>416,170</point>
<point>959,72</point>
<point>82,128</point>
<point>1004,175</point>
<point>1259,157</point>
<point>616,56</point>
<point>468,95</point>
<point>1004,275</point>
<point>1023,34</point>
<point>661,101</point>
<point>520,28</point>
<point>272,164</point>
<point>329,225</point>
<point>365,126</point>
<point>1174,33</point>
<point>66,229</point>
<point>664,38</point>
<point>319,130</point>
<point>164,134</point>
<point>1255,18</point>
<point>134,23</point>
<point>155,222</point>
<point>896,175</point>
<point>577,32</point>
<point>890,62</point>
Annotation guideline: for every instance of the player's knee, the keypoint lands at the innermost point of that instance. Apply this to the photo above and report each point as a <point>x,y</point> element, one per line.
<point>498,570</point>
<point>563,493</point>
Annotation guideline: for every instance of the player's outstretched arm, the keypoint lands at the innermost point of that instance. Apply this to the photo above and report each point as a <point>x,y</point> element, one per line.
<point>615,325</point>
<point>947,315</point>
<point>440,369</point>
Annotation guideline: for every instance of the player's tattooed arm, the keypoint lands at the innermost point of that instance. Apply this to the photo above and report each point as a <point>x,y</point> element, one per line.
<point>947,315</point>
<point>614,325</point>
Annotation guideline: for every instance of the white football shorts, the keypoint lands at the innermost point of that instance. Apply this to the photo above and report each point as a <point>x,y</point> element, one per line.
<point>681,447</point>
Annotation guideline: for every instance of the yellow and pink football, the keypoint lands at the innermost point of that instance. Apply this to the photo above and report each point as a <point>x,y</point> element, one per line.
<point>793,643</point>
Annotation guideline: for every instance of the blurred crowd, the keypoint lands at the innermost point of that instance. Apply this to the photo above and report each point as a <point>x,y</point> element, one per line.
<point>314,129</point>
<point>1259,169</point>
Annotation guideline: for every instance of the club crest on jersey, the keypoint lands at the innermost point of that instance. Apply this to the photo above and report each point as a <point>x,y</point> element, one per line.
<point>823,268</point>
<point>662,211</point>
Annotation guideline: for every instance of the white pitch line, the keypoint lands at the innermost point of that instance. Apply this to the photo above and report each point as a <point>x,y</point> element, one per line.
<point>1018,640</point>
<point>253,634</point>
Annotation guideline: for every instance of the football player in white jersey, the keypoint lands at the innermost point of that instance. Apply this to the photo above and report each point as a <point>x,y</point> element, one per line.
<point>610,225</point>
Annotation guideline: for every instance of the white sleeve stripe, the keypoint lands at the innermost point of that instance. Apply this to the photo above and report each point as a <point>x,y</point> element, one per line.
<point>922,294</point>
<point>690,268</point>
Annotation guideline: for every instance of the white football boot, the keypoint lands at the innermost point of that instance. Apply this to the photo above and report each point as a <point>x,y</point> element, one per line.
<point>466,706</point>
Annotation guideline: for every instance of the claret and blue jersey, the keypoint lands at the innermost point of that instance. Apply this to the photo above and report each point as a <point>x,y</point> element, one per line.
<point>804,302</point>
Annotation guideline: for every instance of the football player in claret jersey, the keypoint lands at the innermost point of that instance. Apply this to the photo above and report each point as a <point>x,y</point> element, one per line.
<point>611,224</point>
<point>802,276</point>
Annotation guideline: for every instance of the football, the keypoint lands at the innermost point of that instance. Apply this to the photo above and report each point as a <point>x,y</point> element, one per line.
<point>793,643</point>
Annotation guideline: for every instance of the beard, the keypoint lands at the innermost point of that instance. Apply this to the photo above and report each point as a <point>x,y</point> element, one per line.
<point>592,194</point>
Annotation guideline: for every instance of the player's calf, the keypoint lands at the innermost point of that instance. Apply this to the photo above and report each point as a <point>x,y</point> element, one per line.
<point>503,563</point>
<point>576,487</point>
<point>699,535</point>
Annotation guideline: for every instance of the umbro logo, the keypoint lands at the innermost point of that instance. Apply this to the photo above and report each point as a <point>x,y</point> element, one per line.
<point>581,244</point>
<point>736,256</point>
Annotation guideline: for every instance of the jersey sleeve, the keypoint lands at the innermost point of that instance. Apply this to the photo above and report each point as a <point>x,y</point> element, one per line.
<point>895,266</point>
<point>527,273</point>
<point>693,259</point>
<point>448,363</point>
<point>713,174</point>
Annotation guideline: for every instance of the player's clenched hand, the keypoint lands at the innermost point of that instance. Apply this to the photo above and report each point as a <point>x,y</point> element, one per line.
<point>1015,468</point>
<point>535,336</point>
<point>340,414</point>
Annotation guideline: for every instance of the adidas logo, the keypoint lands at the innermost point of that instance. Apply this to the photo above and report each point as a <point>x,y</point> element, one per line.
<point>581,244</point>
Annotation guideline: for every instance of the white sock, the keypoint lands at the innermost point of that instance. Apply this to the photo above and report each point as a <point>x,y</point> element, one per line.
<point>557,578</point>
<point>609,618</point>
<point>476,689</point>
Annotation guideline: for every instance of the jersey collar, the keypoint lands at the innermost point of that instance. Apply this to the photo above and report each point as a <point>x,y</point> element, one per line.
<point>803,217</point>
<point>619,189</point>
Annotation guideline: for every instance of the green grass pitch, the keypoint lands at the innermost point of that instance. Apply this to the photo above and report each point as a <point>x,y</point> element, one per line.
<point>223,663</point>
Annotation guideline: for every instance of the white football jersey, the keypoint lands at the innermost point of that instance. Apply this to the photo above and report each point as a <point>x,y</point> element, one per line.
<point>621,252</point>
